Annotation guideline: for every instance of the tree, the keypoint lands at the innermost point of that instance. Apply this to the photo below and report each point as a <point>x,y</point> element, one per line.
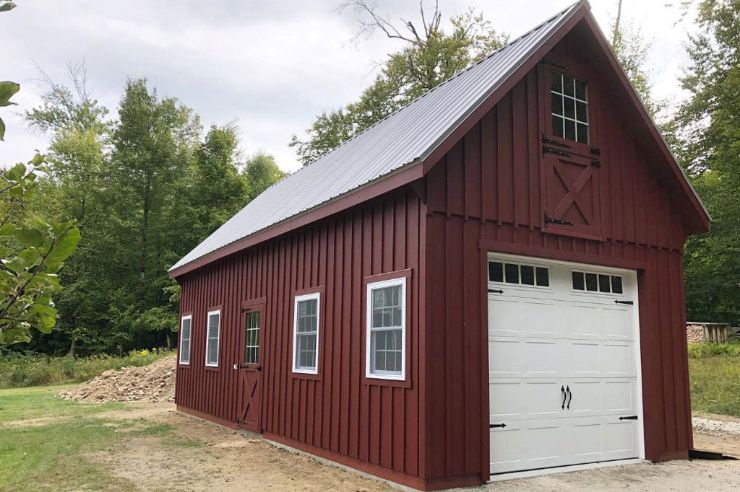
<point>153,146</point>
<point>7,89</point>
<point>78,177</point>
<point>261,172</point>
<point>708,146</point>
<point>631,50</point>
<point>31,253</point>
<point>31,250</point>
<point>429,56</point>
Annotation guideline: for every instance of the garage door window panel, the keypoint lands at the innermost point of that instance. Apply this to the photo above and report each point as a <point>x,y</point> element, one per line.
<point>597,282</point>
<point>518,274</point>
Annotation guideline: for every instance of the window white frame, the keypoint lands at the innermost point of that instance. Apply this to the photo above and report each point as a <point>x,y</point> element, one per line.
<point>394,376</point>
<point>185,361</point>
<point>216,312</point>
<point>306,297</point>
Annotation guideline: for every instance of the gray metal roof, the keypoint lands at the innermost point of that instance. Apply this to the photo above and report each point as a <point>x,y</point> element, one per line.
<point>402,139</point>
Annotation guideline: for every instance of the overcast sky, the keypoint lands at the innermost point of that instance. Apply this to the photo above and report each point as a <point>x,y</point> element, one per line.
<point>268,66</point>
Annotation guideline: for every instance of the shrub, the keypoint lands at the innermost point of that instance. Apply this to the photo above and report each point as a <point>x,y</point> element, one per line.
<point>30,369</point>
<point>703,350</point>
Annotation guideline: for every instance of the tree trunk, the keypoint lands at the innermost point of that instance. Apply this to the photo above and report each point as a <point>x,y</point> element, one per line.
<point>72,348</point>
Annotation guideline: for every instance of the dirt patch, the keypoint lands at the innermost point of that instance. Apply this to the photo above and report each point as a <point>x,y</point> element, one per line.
<point>32,422</point>
<point>218,458</point>
<point>152,383</point>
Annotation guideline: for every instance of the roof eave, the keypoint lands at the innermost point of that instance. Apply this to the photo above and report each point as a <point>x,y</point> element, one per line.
<point>405,174</point>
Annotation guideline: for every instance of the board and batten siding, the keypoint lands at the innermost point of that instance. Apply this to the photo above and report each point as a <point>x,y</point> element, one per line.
<point>373,425</point>
<point>484,195</point>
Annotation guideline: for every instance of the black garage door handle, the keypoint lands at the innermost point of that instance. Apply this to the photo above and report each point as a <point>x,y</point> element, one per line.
<point>562,391</point>
<point>570,397</point>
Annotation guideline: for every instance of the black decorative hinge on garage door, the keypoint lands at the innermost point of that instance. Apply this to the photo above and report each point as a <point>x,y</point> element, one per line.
<point>629,417</point>
<point>493,426</point>
<point>629,303</point>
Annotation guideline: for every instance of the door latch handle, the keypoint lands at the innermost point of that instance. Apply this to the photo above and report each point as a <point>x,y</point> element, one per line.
<point>570,397</point>
<point>562,391</point>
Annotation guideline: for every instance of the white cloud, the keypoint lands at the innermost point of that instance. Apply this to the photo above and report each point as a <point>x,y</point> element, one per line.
<point>269,66</point>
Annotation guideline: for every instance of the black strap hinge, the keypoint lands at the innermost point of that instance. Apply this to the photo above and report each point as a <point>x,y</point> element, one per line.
<point>629,417</point>
<point>495,291</point>
<point>549,141</point>
<point>550,150</point>
<point>551,220</point>
<point>494,426</point>
<point>624,302</point>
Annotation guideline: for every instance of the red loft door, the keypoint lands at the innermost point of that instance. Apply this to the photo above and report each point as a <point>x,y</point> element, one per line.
<point>571,205</point>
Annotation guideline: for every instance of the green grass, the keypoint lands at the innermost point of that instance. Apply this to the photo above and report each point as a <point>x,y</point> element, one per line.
<point>53,453</point>
<point>41,401</point>
<point>47,453</point>
<point>714,371</point>
<point>22,370</point>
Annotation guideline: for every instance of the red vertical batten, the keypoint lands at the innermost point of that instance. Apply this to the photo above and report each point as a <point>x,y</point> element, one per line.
<point>485,194</point>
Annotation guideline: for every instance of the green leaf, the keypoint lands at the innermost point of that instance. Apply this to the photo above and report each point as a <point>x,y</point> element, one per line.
<point>6,6</point>
<point>16,172</point>
<point>29,236</point>
<point>7,230</point>
<point>15,264</point>
<point>7,90</point>
<point>65,246</point>
<point>31,256</point>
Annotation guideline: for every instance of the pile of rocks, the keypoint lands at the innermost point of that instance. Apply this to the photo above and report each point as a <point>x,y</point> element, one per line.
<point>711,426</point>
<point>152,383</point>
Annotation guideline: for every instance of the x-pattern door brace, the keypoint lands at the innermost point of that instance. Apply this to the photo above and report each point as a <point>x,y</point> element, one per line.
<point>573,196</point>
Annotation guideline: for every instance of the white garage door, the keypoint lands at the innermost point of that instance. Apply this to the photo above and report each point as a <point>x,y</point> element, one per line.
<point>563,364</point>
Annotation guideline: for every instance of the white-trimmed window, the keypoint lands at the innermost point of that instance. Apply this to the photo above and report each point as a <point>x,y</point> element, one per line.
<point>306,333</point>
<point>212,338</point>
<point>569,108</point>
<point>386,330</point>
<point>185,325</point>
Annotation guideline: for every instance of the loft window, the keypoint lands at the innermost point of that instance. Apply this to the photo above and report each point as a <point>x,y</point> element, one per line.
<point>569,108</point>
<point>306,334</point>
<point>386,329</point>
<point>212,338</point>
<point>514,273</point>
<point>597,282</point>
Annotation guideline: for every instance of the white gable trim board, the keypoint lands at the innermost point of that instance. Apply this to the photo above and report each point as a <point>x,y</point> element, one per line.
<point>565,385</point>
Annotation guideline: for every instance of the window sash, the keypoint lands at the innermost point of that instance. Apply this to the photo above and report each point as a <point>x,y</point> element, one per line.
<point>395,354</point>
<point>561,117</point>
<point>185,339</point>
<point>213,340</point>
<point>252,341</point>
<point>306,326</point>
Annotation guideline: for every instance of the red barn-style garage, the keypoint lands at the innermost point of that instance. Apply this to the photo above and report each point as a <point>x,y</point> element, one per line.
<point>489,281</point>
